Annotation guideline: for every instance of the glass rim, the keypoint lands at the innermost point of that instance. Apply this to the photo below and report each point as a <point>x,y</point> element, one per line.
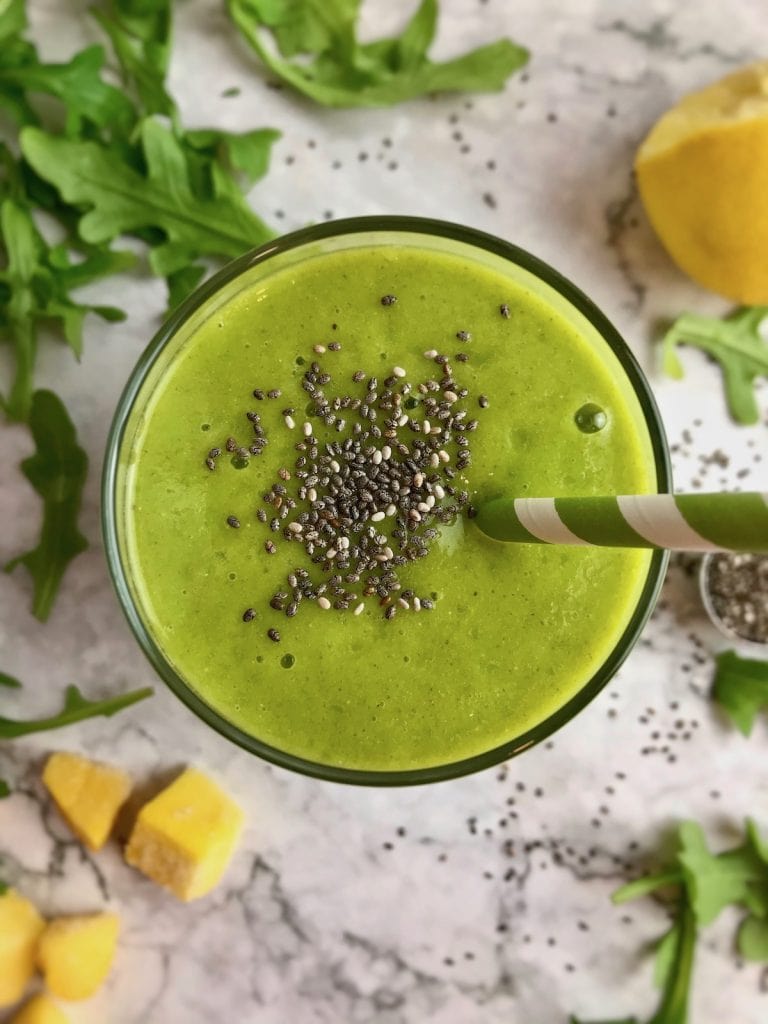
<point>384,224</point>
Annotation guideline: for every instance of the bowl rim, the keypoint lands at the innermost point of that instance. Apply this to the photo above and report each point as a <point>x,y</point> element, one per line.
<point>382,224</point>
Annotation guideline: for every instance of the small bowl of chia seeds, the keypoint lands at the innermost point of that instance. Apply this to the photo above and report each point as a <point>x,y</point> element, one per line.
<point>734,589</point>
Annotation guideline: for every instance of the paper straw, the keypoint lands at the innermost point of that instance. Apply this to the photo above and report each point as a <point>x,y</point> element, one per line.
<point>677,522</point>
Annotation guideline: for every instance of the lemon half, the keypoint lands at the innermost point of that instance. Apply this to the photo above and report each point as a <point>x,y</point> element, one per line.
<point>703,178</point>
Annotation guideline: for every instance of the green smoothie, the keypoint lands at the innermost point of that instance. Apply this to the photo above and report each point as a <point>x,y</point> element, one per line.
<point>513,632</point>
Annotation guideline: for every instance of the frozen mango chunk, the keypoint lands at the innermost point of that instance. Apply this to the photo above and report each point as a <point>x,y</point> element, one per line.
<point>88,794</point>
<point>184,838</point>
<point>40,1010</point>
<point>20,928</point>
<point>75,953</point>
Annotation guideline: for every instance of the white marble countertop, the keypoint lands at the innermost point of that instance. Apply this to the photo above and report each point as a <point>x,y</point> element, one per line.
<point>480,901</point>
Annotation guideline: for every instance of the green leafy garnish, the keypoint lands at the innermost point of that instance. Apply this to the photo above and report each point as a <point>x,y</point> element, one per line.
<point>120,199</point>
<point>735,343</point>
<point>57,472</point>
<point>10,681</point>
<point>37,282</point>
<point>336,69</point>
<point>741,688</point>
<point>140,34</point>
<point>76,709</point>
<point>98,164</point>
<point>706,884</point>
<point>5,790</point>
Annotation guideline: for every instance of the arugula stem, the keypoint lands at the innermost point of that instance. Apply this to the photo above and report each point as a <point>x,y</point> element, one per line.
<point>76,709</point>
<point>673,1008</point>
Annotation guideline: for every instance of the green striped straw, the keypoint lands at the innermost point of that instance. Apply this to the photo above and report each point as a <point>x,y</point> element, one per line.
<point>677,522</point>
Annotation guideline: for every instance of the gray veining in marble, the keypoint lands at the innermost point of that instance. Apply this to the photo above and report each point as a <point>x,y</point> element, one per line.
<point>482,901</point>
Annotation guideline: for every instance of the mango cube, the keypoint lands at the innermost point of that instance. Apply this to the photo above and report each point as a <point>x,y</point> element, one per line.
<point>184,838</point>
<point>40,1010</point>
<point>88,794</point>
<point>20,928</point>
<point>75,954</point>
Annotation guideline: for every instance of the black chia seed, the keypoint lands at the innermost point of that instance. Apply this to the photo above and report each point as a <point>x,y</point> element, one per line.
<point>504,310</point>
<point>234,522</point>
<point>274,635</point>
<point>361,504</point>
<point>738,588</point>
<point>249,615</point>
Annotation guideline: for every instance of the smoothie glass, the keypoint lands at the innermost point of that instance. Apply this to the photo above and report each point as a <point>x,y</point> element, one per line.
<point>287,252</point>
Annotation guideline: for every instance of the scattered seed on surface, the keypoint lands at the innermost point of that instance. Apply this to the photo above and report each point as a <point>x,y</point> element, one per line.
<point>274,393</point>
<point>234,522</point>
<point>334,346</point>
<point>258,394</point>
<point>463,335</point>
<point>504,310</point>
<point>324,603</point>
<point>210,463</point>
<point>483,401</point>
<point>319,349</point>
<point>270,547</point>
<point>359,609</point>
<point>290,422</point>
<point>388,300</point>
<point>274,635</point>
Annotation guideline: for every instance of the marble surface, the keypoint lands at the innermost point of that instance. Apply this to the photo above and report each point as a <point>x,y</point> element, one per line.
<point>480,901</point>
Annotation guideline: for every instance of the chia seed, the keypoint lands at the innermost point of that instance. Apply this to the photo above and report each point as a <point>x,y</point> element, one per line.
<point>249,615</point>
<point>388,300</point>
<point>234,522</point>
<point>274,635</point>
<point>504,310</point>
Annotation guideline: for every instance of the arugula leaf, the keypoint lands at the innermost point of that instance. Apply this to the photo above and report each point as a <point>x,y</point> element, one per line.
<point>57,472</point>
<point>119,199</point>
<point>77,84</point>
<point>735,343</point>
<point>707,884</point>
<point>716,881</point>
<point>13,18</point>
<point>753,938</point>
<point>37,281</point>
<point>140,34</point>
<point>247,152</point>
<point>76,709</point>
<point>181,282</point>
<point>10,681</point>
<point>346,73</point>
<point>646,885</point>
<point>741,688</point>
<point>5,789</point>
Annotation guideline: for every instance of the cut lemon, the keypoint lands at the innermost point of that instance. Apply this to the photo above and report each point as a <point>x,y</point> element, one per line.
<point>703,178</point>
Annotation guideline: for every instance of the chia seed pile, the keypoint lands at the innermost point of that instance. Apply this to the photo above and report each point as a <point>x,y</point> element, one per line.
<point>379,467</point>
<point>738,587</point>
